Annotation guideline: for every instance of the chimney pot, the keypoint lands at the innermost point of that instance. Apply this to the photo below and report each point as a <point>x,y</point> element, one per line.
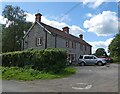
<point>81,36</point>
<point>38,17</point>
<point>66,29</point>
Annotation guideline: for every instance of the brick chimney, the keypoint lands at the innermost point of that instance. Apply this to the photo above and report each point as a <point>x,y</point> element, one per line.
<point>66,29</point>
<point>81,36</point>
<point>38,17</point>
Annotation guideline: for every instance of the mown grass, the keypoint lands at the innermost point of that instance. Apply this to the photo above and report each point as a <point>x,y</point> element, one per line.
<point>16,73</point>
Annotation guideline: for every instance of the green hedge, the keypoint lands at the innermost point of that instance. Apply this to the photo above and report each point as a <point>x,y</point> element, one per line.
<point>53,60</point>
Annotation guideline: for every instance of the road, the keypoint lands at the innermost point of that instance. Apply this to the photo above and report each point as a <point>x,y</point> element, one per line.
<point>87,79</point>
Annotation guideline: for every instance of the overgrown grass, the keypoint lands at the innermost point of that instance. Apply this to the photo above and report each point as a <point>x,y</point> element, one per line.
<point>116,62</point>
<point>16,73</point>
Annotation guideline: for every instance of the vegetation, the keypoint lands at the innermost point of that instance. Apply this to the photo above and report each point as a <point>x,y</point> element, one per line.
<point>13,33</point>
<point>17,73</point>
<point>101,52</point>
<point>114,48</point>
<point>0,38</point>
<point>48,60</point>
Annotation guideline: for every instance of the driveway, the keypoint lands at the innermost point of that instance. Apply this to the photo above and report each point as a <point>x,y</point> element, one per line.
<point>87,79</point>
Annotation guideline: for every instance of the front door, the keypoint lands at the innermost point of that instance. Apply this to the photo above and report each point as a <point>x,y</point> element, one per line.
<point>71,58</point>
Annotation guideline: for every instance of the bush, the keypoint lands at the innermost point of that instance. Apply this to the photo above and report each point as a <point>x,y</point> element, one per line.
<point>116,59</point>
<point>52,60</point>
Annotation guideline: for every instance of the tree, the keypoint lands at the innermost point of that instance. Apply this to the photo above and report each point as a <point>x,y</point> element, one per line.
<point>12,35</point>
<point>114,47</point>
<point>101,52</point>
<point>0,38</point>
<point>14,13</point>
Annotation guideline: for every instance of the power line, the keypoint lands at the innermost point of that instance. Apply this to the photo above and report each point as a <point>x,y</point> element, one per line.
<point>68,11</point>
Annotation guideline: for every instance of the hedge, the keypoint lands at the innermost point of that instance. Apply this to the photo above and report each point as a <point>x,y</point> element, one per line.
<point>52,60</point>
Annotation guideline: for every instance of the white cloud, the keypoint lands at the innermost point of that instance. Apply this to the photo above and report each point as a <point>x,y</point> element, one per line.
<point>103,24</point>
<point>93,3</point>
<point>3,20</point>
<point>74,29</point>
<point>100,44</point>
<point>30,17</point>
<point>89,15</point>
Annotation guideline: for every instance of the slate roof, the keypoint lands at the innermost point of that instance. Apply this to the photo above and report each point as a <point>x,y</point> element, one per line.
<point>59,32</point>
<point>65,35</point>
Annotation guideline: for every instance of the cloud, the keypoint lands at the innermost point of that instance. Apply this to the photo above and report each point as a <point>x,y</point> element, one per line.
<point>89,15</point>
<point>100,44</point>
<point>30,17</point>
<point>103,24</point>
<point>3,20</point>
<point>74,29</point>
<point>93,3</point>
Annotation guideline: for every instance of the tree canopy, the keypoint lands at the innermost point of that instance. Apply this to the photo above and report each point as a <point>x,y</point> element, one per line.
<point>13,34</point>
<point>114,47</point>
<point>14,13</point>
<point>101,52</point>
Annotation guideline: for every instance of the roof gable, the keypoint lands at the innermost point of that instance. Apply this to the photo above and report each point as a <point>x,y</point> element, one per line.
<point>33,26</point>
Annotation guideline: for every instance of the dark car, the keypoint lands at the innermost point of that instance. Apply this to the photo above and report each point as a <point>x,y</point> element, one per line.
<point>108,59</point>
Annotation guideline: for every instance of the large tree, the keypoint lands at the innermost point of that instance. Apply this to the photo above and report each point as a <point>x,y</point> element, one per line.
<point>12,35</point>
<point>114,47</point>
<point>100,52</point>
<point>0,38</point>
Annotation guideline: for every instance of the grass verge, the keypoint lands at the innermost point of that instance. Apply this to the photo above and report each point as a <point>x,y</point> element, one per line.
<point>16,73</point>
<point>116,62</point>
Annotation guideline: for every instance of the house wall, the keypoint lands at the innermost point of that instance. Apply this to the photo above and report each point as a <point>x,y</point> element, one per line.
<point>61,43</point>
<point>37,31</point>
<point>30,39</point>
<point>50,40</point>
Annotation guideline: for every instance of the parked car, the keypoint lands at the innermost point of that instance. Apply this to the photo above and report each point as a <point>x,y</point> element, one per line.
<point>90,60</point>
<point>108,59</point>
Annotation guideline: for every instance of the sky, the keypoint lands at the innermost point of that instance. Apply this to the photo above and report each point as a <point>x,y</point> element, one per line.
<point>97,21</point>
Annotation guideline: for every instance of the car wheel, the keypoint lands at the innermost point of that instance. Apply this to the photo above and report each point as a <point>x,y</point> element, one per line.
<point>82,64</point>
<point>100,63</point>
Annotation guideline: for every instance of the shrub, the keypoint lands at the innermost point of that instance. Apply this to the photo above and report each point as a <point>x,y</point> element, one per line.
<point>52,60</point>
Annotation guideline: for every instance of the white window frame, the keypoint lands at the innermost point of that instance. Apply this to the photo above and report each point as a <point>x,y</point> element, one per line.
<point>39,41</point>
<point>67,43</point>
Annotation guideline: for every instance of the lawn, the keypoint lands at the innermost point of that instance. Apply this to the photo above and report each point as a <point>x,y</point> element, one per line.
<point>16,73</point>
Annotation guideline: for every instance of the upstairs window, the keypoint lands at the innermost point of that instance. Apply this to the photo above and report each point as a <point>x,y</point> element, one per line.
<point>67,43</point>
<point>74,45</point>
<point>81,47</point>
<point>85,47</point>
<point>38,41</point>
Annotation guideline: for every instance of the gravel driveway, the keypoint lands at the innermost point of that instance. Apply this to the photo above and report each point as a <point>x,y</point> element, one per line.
<point>87,79</point>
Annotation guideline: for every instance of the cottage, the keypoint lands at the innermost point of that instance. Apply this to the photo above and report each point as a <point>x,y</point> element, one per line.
<point>43,36</point>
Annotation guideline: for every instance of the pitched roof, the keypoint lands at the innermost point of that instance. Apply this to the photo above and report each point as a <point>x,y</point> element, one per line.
<point>63,34</point>
<point>51,29</point>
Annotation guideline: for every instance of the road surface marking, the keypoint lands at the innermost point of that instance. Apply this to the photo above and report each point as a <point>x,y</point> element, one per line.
<point>82,86</point>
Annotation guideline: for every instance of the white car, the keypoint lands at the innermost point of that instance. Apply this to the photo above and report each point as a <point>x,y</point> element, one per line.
<point>90,60</point>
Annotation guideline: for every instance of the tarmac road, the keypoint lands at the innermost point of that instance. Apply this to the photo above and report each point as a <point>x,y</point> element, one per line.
<point>87,79</point>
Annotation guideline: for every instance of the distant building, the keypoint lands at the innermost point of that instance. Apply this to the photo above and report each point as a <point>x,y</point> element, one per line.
<point>43,36</point>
